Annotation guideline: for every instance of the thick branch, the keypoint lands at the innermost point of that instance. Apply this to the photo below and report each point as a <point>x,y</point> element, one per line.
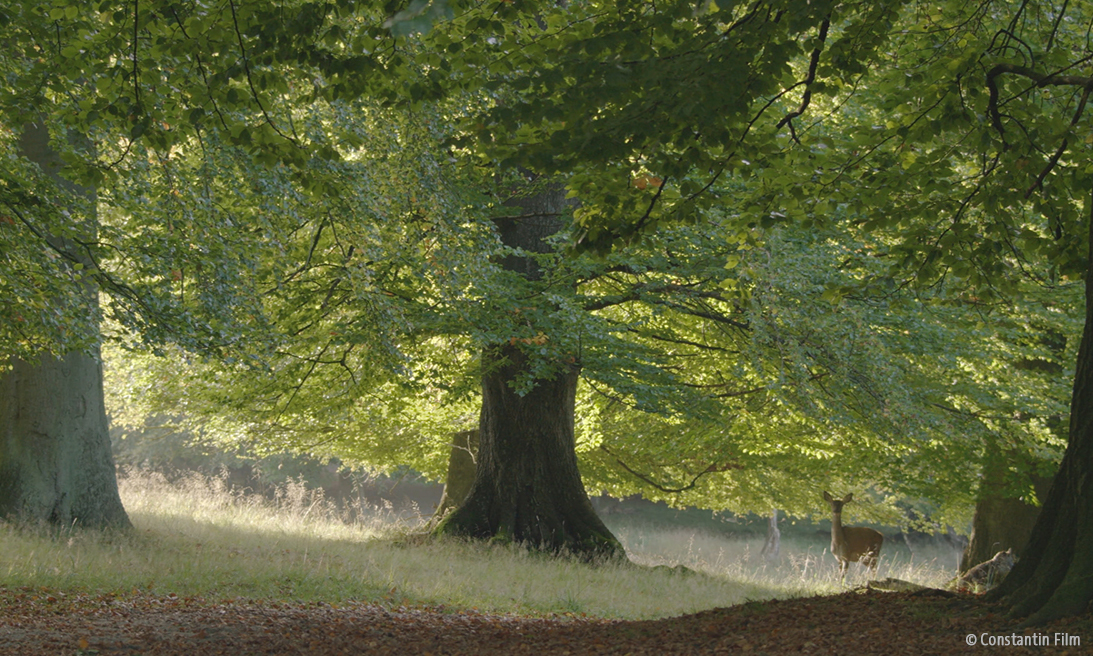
<point>1041,80</point>
<point>813,63</point>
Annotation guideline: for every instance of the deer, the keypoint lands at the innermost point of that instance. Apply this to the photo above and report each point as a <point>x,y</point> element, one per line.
<point>852,544</point>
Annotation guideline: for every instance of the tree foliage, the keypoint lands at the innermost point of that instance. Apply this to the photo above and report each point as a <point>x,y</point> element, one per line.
<point>816,244</point>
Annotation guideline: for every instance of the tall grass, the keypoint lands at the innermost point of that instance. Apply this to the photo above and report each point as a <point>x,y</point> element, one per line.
<point>197,537</point>
<point>803,562</point>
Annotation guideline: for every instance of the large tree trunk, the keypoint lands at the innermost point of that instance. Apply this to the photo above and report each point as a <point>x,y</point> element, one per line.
<point>1055,577</point>
<point>462,464</point>
<point>55,459</point>
<point>527,486</point>
<point>1001,521</point>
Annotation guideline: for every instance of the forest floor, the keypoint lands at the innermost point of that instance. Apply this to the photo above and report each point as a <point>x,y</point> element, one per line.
<point>37,621</point>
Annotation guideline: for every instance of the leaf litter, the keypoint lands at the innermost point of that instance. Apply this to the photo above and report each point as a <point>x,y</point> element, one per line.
<point>44,621</point>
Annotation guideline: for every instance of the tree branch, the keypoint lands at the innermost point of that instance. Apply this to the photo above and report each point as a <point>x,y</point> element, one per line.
<point>682,341</point>
<point>1062,146</point>
<point>806,98</point>
<point>136,68</point>
<point>1041,80</point>
<point>672,490</point>
<point>250,80</point>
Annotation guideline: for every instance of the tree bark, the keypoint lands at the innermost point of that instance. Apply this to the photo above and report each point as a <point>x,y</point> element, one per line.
<point>461,469</point>
<point>527,486</point>
<point>773,546</point>
<point>1001,521</point>
<point>1055,577</point>
<point>55,460</point>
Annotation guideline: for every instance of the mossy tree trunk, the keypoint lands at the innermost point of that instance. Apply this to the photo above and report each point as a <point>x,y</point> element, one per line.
<point>55,459</point>
<point>527,487</point>
<point>1054,578</point>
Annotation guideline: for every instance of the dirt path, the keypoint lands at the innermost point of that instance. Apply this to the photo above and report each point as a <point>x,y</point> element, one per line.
<point>36,621</point>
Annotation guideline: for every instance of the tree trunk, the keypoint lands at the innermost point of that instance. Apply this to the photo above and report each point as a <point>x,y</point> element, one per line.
<point>55,459</point>
<point>527,486</point>
<point>1001,521</point>
<point>1055,577</point>
<point>461,469</point>
<point>773,546</point>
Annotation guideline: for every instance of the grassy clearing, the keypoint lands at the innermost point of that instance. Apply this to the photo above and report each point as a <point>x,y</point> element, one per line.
<point>197,538</point>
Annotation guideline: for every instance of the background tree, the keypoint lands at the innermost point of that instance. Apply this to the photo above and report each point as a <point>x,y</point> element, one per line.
<point>108,80</point>
<point>55,459</point>
<point>965,131</point>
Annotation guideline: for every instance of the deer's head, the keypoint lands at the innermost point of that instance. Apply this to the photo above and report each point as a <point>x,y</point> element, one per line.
<point>837,504</point>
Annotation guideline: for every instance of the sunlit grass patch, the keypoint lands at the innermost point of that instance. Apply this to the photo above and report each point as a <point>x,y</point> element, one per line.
<point>197,537</point>
<point>802,563</point>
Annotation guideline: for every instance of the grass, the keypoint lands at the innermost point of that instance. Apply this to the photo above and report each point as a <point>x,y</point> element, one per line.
<point>803,561</point>
<point>195,537</point>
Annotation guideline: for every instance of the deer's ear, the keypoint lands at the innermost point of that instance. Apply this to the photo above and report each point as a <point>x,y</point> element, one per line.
<point>848,498</point>
<point>827,497</point>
